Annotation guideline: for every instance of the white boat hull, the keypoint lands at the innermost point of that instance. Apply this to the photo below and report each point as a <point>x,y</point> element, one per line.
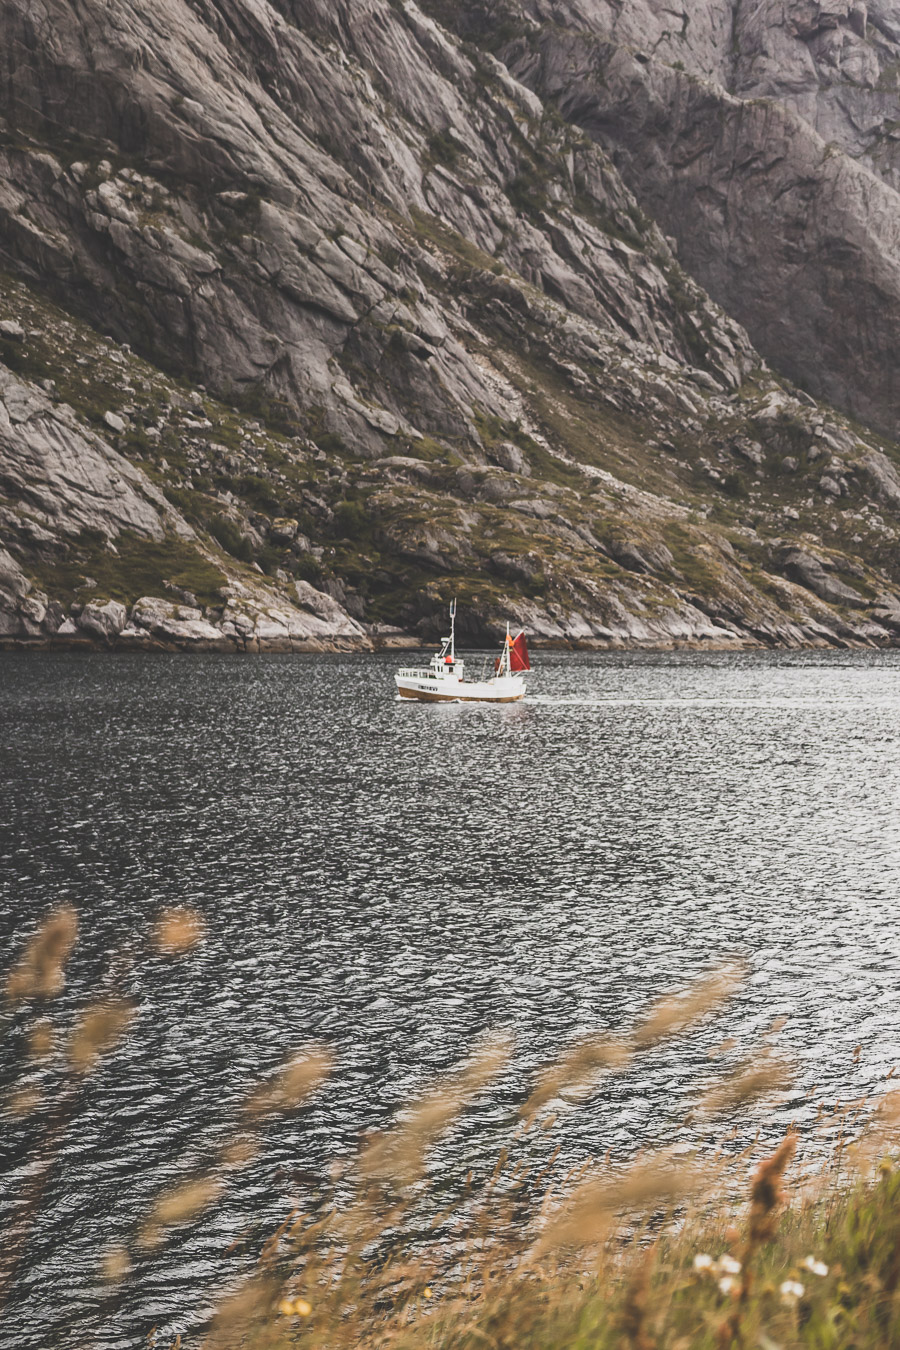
<point>426,688</point>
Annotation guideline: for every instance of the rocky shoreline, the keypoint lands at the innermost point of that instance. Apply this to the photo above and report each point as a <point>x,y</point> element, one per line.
<point>155,625</point>
<point>227,646</point>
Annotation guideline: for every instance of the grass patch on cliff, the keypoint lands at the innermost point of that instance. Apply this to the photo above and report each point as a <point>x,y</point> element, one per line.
<point>590,434</point>
<point>429,229</point>
<point>543,465</point>
<point>608,222</point>
<point>138,567</point>
<point>274,412</point>
<point>693,324</point>
<point>694,558</point>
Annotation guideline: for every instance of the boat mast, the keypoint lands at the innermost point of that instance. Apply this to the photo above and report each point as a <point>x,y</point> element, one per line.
<point>506,650</point>
<point>453,629</point>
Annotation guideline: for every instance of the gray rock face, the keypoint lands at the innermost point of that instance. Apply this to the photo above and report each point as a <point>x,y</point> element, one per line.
<point>883,476</point>
<point>333,619</point>
<point>834,62</point>
<point>808,570</point>
<point>71,479</point>
<point>275,260</point>
<point>795,238</point>
<point>104,621</point>
<point>180,625</point>
<point>249,622</point>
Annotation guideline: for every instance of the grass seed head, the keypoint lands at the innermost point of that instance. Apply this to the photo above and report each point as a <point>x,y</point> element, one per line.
<point>766,1193</point>
<point>576,1069</point>
<point>115,1265</point>
<point>24,1101</point>
<point>247,1309</point>
<point>178,930</point>
<point>241,1151</point>
<point>291,1085</point>
<point>672,1015</point>
<point>41,1039</point>
<point>590,1212</point>
<point>99,1029</point>
<point>398,1154</point>
<point>179,1205</point>
<point>40,972</point>
<point>749,1082</point>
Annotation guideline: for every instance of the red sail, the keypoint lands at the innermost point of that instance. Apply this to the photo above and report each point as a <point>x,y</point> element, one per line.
<point>518,654</point>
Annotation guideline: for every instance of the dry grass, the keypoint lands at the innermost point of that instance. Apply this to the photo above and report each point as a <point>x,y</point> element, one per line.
<point>97,1032</point>
<point>178,930</point>
<point>177,1206</point>
<point>40,972</point>
<point>288,1088</point>
<point>708,1250</point>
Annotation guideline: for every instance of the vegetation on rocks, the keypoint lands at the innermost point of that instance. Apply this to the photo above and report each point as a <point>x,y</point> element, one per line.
<point>618,523</point>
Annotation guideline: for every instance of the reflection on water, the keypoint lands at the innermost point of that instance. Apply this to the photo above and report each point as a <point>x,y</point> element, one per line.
<point>394,879</point>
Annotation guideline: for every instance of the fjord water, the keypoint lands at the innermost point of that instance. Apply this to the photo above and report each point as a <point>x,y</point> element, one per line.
<point>395,880</point>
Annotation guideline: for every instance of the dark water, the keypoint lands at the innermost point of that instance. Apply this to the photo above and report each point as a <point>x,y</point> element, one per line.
<point>396,879</point>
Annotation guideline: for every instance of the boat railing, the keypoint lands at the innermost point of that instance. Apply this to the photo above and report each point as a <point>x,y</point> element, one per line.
<point>416,673</point>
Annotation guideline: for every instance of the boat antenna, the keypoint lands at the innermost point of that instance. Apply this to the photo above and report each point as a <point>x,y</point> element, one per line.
<point>453,629</point>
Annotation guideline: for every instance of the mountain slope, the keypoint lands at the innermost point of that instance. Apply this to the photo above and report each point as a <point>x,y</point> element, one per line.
<point>795,235</point>
<point>430,343</point>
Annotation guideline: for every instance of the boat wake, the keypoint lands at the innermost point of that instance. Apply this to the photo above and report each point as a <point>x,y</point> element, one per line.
<point>618,701</point>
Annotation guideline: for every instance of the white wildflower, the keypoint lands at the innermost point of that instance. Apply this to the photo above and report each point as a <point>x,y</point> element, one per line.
<point>703,1262</point>
<point>815,1267</point>
<point>791,1290</point>
<point>729,1265</point>
<point>726,1284</point>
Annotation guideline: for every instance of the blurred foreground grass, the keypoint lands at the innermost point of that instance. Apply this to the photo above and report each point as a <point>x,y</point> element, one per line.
<point>678,1249</point>
<point>817,1269</point>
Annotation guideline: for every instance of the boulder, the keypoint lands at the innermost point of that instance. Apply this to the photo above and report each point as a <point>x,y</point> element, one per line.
<point>525,568</point>
<point>337,622</point>
<point>888,618</point>
<point>643,557</point>
<point>882,476</point>
<point>508,455</point>
<point>180,625</point>
<point>103,621</point>
<point>283,530</point>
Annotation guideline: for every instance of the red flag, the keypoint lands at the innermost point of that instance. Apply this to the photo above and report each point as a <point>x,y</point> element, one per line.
<point>518,654</point>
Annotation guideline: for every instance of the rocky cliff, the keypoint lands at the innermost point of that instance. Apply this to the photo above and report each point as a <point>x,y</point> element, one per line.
<point>764,139</point>
<point>315,314</point>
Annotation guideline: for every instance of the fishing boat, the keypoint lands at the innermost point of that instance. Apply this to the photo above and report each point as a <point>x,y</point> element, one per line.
<point>444,679</point>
